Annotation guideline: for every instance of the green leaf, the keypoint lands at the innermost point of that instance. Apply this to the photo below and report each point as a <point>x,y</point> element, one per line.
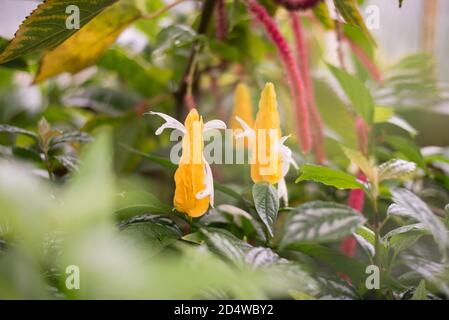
<point>137,73</point>
<point>153,232</point>
<point>356,91</point>
<point>362,162</point>
<point>16,64</point>
<point>408,149</point>
<point>320,221</point>
<point>407,204</point>
<point>266,201</point>
<point>434,273</point>
<point>321,12</point>
<point>329,177</point>
<point>348,9</point>
<point>383,114</point>
<point>135,203</point>
<point>46,27</point>
<point>87,45</point>
<point>338,261</point>
<point>17,130</point>
<point>366,239</point>
<point>404,237</point>
<point>396,169</point>
<point>420,291</point>
<point>69,137</point>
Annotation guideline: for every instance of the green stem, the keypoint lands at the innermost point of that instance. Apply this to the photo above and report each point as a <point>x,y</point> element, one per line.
<point>376,233</point>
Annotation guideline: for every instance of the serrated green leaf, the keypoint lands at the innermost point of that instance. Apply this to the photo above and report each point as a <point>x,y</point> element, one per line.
<point>396,169</point>
<point>320,221</point>
<point>329,177</point>
<point>409,205</point>
<point>46,27</point>
<point>87,45</point>
<point>359,96</point>
<point>266,201</point>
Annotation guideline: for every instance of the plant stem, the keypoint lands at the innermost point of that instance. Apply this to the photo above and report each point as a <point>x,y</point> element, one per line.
<point>48,165</point>
<point>376,233</point>
<point>206,15</point>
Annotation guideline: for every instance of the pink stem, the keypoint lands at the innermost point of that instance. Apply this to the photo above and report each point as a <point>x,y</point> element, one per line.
<point>365,60</point>
<point>295,81</point>
<point>303,62</point>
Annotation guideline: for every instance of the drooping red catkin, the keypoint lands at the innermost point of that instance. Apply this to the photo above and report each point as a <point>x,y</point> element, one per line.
<point>362,131</point>
<point>365,60</point>
<point>356,201</point>
<point>303,63</point>
<point>294,78</point>
<point>294,5</point>
<point>221,27</point>
<point>356,198</point>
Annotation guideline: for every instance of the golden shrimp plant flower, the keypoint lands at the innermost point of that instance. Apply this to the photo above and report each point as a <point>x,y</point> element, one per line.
<point>194,181</point>
<point>242,108</point>
<point>271,159</point>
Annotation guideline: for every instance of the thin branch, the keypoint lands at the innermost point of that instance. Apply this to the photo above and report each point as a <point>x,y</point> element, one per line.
<point>163,10</point>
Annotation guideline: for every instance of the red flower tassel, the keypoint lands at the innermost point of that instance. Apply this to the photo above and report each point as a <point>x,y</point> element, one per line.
<point>294,5</point>
<point>365,60</point>
<point>295,81</point>
<point>221,28</point>
<point>356,201</point>
<point>303,61</point>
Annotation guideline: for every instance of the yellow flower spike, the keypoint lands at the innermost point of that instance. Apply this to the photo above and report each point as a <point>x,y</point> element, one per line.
<point>193,178</point>
<point>266,162</point>
<point>190,175</point>
<point>271,159</point>
<point>243,109</point>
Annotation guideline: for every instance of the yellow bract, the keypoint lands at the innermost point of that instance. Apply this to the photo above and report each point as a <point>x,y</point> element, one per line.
<point>190,175</point>
<point>266,162</point>
<point>242,107</point>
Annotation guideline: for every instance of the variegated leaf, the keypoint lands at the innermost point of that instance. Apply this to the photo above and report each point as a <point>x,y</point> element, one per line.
<point>409,205</point>
<point>396,169</point>
<point>320,221</point>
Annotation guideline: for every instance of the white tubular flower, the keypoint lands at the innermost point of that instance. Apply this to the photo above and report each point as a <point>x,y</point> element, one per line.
<point>208,179</point>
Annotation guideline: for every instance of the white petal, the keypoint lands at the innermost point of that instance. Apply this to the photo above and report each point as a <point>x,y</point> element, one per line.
<point>214,124</point>
<point>282,191</point>
<point>247,130</point>
<point>209,184</point>
<point>170,123</point>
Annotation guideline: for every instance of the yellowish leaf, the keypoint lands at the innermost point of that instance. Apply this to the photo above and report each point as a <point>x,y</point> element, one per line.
<point>86,46</point>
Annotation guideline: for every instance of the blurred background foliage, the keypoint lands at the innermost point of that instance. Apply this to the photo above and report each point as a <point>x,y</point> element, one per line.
<point>84,180</point>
